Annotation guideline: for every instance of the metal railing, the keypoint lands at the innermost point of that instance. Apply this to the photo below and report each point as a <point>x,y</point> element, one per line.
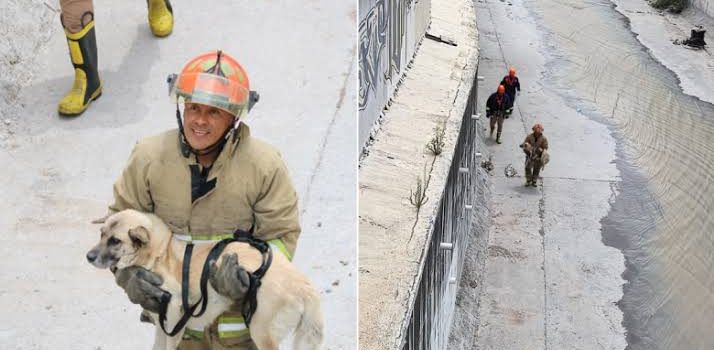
<point>431,315</point>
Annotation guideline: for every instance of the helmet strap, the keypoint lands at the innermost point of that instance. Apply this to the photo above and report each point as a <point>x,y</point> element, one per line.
<point>185,148</point>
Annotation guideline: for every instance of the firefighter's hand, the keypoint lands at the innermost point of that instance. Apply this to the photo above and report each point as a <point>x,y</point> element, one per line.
<point>230,279</point>
<point>142,287</point>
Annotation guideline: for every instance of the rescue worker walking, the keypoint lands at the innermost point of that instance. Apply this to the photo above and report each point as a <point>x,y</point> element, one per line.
<point>498,106</point>
<point>511,83</point>
<point>206,179</point>
<point>78,21</point>
<point>534,146</point>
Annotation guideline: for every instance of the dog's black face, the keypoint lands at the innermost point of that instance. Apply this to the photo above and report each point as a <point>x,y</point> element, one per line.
<point>118,245</point>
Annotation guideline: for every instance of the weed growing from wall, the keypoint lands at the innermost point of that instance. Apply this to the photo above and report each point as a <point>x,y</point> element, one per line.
<point>436,144</point>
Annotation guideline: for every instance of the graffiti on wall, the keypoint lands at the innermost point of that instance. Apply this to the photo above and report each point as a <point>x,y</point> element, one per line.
<point>372,40</point>
<point>384,26</point>
<point>389,31</point>
<point>400,13</point>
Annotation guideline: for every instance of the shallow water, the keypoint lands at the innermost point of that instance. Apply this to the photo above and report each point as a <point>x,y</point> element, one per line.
<point>661,217</point>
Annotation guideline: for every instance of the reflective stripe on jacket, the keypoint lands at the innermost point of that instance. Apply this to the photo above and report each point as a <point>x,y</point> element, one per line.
<point>251,187</point>
<point>493,105</point>
<point>251,183</point>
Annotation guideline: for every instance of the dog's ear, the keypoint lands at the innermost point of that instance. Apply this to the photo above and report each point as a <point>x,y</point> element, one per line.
<point>139,236</point>
<point>100,220</point>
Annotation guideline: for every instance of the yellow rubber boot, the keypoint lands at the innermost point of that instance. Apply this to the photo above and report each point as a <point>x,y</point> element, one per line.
<point>161,17</point>
<point>87,87</point>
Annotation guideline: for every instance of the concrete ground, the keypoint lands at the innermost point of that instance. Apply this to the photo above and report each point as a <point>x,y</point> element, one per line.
<point>549,281</point>
<point>58,174</point>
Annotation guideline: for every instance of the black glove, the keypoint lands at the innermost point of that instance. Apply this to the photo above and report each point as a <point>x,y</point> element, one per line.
<point>142,287</point>
<point>230,279</point>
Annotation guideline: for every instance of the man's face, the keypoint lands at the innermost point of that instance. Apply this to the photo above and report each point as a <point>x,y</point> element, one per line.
<point>205,125</point>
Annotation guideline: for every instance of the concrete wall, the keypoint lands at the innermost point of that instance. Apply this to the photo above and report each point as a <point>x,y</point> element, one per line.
<point>705,5</point>
<point>406,293</point>
<point>389,32</point>
<point>458,222</point>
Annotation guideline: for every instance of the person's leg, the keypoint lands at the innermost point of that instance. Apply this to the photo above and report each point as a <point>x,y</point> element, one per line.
<point>74,12</point>
<point>193,340</point>
<point>536,172</point>
<point>500,128</point>
<point>78,21</point>
<point>230,340</point>
<point>492,124</point>
<point>161,17</point>
<point>228,332</point>
<point>193,344</point>
<point>528,167</point>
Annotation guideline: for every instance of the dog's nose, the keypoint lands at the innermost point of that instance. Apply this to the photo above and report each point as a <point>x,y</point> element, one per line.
<point>91,256</point>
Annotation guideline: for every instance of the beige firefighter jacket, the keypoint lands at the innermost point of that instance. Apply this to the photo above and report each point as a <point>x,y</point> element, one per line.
<point>252,187</point>
<point>538,145</point>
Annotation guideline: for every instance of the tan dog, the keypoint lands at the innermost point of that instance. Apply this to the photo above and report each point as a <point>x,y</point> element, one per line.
<point>287,301</point>
<point>544,156</point>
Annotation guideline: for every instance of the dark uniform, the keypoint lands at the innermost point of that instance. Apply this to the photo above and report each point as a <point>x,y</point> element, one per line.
<point>511,85</point>
<point>497,108</point>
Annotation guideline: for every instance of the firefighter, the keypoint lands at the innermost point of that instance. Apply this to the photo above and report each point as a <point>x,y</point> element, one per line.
<point>205,179</point>
<point>535,147</point>
<point>511,83</point>
<point>498,107</point>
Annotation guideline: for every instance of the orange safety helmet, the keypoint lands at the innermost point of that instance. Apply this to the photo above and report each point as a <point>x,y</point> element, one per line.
<point>501,89</point>
<point>215,79</point>
<point>512,72</point>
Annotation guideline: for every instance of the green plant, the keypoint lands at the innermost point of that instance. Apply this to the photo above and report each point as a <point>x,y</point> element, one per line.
<point>436,144</point>
<point>418,196</point>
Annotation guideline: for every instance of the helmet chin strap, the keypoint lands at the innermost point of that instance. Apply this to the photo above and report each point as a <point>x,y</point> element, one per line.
<point>187,149</point>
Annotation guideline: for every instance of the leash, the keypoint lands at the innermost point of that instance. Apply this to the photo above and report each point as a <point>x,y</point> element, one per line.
<point>250,301</point>
<point>188,310</point>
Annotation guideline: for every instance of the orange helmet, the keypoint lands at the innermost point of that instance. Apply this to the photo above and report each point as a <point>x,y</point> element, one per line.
<point>512,72</point>
<point>501,89</point>
<point>215,79</point>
